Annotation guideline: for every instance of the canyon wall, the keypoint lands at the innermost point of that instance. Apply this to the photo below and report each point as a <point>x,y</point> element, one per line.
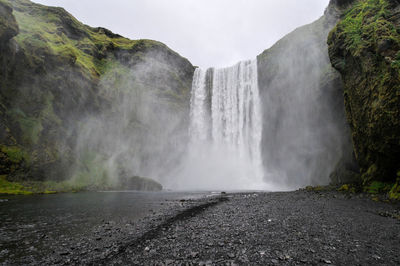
<point>85,103</point>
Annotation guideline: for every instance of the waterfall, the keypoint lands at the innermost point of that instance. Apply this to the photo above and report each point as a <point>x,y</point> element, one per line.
<point>236,110</point>
<point>225,129</point>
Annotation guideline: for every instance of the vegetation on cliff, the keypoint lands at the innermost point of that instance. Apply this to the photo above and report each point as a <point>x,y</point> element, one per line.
<point>364,48</point>
<point>57,75</point>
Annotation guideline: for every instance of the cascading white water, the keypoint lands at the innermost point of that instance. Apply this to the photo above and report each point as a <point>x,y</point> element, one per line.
<point>199,122</point>
<point>236,110</point>
<point>225,129</point>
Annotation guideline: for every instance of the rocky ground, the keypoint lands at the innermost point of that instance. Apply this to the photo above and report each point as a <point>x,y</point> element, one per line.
<point>275,228</point>
<point>292,228</point>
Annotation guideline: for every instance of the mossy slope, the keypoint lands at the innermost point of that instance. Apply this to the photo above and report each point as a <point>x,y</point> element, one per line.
<point>364,48</point>
<point>53,71</point>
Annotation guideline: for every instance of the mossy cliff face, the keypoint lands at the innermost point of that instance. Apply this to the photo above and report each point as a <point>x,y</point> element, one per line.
<point>364,48</point>
<point>56,74</point>
<point>305,134</point>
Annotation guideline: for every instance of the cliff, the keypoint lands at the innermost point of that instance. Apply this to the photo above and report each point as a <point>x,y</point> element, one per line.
<point>60,78</point>
<point>306,139</point>
<point>364,48</point>
<point>84,104</point>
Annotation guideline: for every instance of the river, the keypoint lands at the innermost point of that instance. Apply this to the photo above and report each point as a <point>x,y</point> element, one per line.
<point>34,227</point>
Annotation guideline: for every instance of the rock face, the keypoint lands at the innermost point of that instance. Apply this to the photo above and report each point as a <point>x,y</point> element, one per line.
<point>364,48</point>
<point>63,84</point>
<point>305,134</point>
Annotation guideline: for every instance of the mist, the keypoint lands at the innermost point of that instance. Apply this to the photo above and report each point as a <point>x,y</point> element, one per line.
<point>142,129</point>
<point>305,133</point>
<point>275,122</point>
<point>295,115</point>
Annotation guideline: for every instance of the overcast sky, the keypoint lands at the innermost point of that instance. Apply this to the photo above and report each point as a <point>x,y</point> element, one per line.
<point>207,32</point>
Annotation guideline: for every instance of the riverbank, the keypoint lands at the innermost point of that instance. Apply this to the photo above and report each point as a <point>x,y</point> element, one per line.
<point>57,228</point>
<point>36,187</point>
<point>301,227</point>
<point>71,186</point>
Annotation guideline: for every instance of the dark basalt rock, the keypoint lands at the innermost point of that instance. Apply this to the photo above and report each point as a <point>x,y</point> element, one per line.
<point>139,183</point>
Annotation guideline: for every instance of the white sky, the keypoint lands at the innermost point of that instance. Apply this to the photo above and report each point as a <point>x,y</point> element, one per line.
<point>207,32</point>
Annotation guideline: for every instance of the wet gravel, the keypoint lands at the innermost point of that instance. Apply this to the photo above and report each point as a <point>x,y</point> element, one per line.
<point>291,228</point>
<point>63,228</point>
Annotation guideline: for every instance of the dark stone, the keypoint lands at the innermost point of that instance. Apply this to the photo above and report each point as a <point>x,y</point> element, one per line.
<point>385,45</point>
<point>139,183</point>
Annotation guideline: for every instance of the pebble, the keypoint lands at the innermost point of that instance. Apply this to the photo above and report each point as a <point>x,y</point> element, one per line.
<point>236,232</point>
<point>64,253</point>
<point>376,257</point>
<point>194,254</point>
<point>326,261</point>
<point>231,255</point>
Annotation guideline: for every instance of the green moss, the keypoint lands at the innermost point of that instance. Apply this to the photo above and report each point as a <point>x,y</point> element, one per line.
<point>42,32</point>
<point>317,188</point>
<point>36,187</point>
<point>13,188</point>
<point>53,31</point>
<point>378,187</point>
<point>49,192</point>
<point>31,127</point>
<point>364,47</point>
<point>369,174</point>
<point>394,193</point>
<point>366,23</point>
<point>39,36</point>
<point>348,188</point>
<point>48,111</point>
<point>116,76</point>
<point>14,153</point>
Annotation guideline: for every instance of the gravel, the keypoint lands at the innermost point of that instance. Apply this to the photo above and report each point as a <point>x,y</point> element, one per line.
<point>281,228</point>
